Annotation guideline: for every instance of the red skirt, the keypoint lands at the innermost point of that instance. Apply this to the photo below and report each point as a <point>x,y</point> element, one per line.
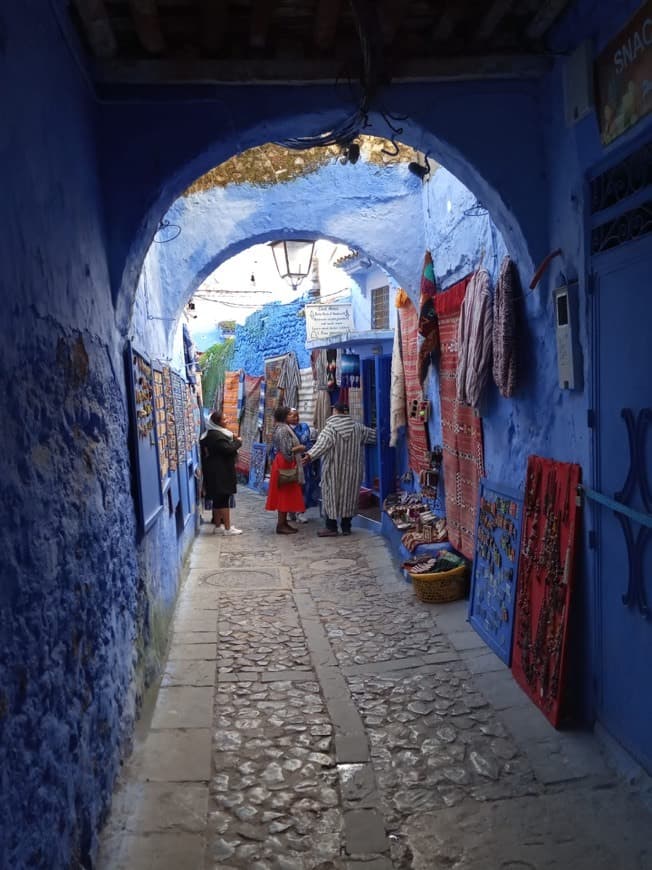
<point>288,497</point>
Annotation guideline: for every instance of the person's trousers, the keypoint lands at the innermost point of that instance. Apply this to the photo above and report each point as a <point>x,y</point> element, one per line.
<point>332,524</point>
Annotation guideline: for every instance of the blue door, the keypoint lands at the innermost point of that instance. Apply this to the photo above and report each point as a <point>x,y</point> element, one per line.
<point>386,454</point>
<point>623,470</point>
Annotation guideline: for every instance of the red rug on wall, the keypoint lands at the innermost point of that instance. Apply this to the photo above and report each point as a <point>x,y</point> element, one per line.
<point>418,453</point>
<point>249,422</point>
<point>461,429</point>
<point>230,403</point>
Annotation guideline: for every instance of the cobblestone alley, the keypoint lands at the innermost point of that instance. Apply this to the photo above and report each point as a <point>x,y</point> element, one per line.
<point>314,714</point>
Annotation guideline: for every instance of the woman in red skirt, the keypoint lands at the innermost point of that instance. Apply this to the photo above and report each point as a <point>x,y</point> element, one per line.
<point>289,496</point>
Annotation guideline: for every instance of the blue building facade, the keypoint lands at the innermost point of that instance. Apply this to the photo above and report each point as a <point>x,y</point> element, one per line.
<point>85,597</point>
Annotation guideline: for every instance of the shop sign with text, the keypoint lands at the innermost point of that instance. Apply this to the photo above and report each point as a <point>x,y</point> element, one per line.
<point>623,74</point>
<point>324,321</point>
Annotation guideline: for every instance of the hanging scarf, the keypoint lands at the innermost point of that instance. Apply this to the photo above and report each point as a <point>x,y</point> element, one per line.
<point>213,427</point>
<point>397,409</point>
<point>505,334</point>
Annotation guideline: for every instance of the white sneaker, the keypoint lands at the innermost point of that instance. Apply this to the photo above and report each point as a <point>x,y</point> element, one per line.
<point>302,518</point>
<point>218,530</point>
<point>233,531</point>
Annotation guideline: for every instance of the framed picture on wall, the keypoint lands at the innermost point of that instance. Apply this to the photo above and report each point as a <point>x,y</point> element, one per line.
<point>144,441</point>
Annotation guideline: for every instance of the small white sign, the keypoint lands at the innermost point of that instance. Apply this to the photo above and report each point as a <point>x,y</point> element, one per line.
<point>324,321</point>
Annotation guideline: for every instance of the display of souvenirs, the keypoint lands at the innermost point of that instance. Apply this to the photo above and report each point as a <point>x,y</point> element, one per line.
<point>545,581</point>
<point>191,404</point>
<point>161,424</point>
<point>179,403</point>
<point>495,567</point>
<point>171,432</point>
<point>413,514</point>
<point>430,530</point>
<point>143,397</point>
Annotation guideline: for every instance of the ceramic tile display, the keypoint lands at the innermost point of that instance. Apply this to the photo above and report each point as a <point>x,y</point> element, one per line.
<point>144,441</point>
<point>495,566</point>
<point>161,425</point>
<point>545,581</point>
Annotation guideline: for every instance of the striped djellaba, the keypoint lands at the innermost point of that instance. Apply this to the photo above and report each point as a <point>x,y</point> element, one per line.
<point>340,447</point>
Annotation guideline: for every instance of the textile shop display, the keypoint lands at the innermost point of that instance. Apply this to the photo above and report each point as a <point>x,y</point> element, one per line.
<point>257,467</point>
<point>545,581</point>
<point>474,338</point>
<point>461,430</point>
<point>418,451</point>
<point>427,325</point>
<point>397,400</point>
<point>495,567</point>
<point>248,422</point>
<point>289,381</point>
<point>306,406</point>
<point>273,371</point>
<point>230,400</point>
<point>322,396</point>
<point>505,334</point>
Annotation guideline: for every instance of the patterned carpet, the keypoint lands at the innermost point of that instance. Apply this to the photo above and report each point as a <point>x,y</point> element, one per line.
<point>461,430</point>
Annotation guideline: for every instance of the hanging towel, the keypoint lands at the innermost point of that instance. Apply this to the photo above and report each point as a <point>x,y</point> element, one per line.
<point>397,408</point>
<point>260,422</point>
<point>474,340</point>
<point>505,335</point>
<point>241,396</point>
<point>289,380</point>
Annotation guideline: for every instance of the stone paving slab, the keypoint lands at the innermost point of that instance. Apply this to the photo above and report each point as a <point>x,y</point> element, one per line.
<point>183,707</point>
<point>548,832</point>
<point>188,651</point>
<point>157,807</point>
<point>176,756</point>
<point>190,672</point>
<point>166,851</point>
<point>194,637</point>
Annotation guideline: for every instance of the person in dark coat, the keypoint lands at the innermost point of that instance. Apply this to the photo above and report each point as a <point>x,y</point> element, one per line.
<point>219,448</point>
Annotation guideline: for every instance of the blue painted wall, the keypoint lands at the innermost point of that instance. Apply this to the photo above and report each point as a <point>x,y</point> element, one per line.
<point>273,330</point>
<point>70,598</point>
<point>83,604</point>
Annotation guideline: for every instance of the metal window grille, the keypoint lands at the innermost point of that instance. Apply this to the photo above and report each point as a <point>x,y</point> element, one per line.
<point>380,308</point>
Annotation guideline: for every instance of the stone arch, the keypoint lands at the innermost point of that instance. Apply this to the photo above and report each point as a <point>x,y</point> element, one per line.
<point>487,165</point>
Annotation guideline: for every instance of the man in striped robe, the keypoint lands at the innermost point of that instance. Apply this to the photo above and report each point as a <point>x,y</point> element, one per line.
<point>340,447</point>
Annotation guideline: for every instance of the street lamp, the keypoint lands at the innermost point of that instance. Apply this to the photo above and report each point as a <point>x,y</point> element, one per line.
<point>293,258</point>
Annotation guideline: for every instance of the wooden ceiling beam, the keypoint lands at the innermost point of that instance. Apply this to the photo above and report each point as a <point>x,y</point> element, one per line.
<point>545,17</point>
<point>97,27</point>
<point>213,22</point>
<point>326,18</point>
<point>391,15</point>
<point>261,16</point>
<point>248,71</point>
<point>492,18</point>
<point>447,20</point>
<point>148,25</point>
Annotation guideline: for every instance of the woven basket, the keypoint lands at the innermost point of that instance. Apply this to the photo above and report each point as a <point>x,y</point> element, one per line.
<point>440,587</point>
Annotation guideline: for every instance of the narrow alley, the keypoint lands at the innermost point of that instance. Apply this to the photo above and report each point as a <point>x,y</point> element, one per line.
<point>314,714</point>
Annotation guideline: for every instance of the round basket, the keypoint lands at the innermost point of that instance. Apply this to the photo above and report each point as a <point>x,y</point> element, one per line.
<point>440,587</point>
